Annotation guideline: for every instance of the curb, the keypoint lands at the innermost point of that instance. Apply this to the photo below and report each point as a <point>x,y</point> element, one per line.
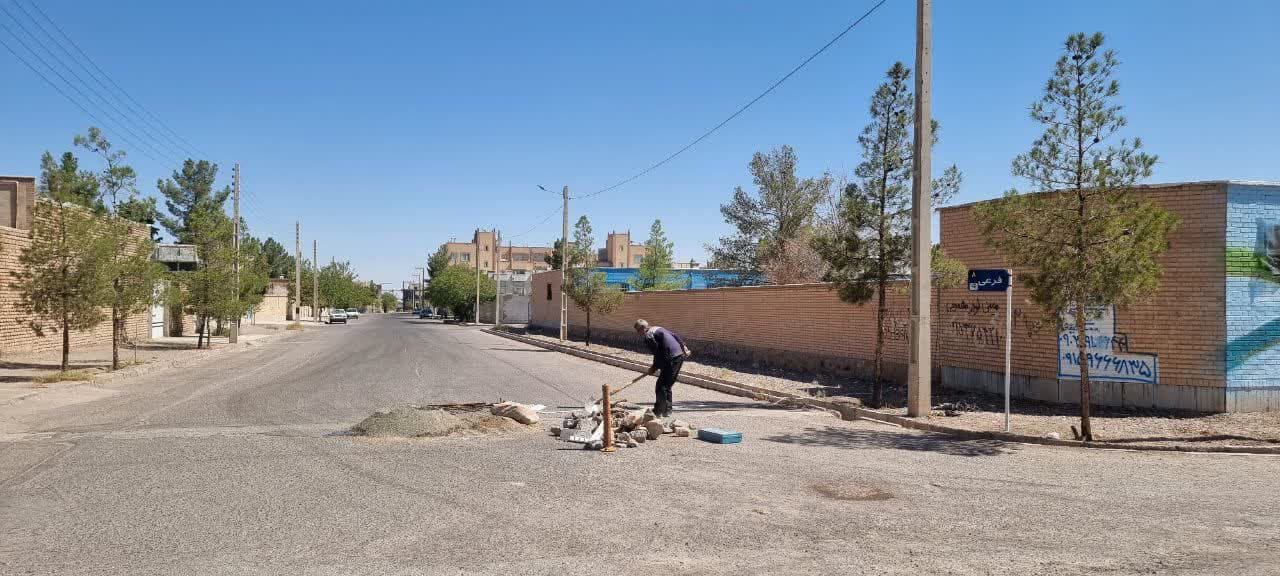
<point>851,409</point>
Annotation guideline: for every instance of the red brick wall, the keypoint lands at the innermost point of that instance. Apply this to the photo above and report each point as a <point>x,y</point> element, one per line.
<point>808,326</point>
<point>20,332</point>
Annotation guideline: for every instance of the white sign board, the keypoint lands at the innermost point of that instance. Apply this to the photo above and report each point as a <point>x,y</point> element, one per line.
<point>1106,352</point>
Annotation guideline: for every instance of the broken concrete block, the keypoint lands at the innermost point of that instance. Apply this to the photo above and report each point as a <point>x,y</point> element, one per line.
<point>654,428</point>
<point>681,431</point>
<point>679,424</point>
<point>631,443</point>
<point>639,436</point>
<point>555,430</point>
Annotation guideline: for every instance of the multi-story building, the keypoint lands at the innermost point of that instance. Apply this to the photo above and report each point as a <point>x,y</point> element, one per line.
<point>620,252</point>
<point>492,258</point>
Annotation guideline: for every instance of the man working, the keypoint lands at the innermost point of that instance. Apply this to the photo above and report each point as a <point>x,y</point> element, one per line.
<point>669,353</point>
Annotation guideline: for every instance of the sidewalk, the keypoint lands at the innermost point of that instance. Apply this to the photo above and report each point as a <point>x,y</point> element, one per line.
<point>18,370</point>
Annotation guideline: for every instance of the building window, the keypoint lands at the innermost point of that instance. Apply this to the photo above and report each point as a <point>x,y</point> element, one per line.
<point>521,257</point>
<point>548,290</point>
<point>466,257</point>
<point>637,259</point>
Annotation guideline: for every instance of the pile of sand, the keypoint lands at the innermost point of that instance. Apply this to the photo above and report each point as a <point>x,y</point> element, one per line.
<point>415,422</point>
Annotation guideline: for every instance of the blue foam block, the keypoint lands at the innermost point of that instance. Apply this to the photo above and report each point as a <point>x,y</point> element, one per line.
<point>719,435</point>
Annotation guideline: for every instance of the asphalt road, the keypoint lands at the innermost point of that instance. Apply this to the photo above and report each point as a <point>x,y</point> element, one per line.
<point>239,466</point>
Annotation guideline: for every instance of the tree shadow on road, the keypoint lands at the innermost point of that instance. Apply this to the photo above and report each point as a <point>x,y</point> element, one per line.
<point>856,439</point>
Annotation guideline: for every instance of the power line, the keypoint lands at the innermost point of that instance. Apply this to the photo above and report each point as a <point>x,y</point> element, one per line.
<point>59,89</point>
<point>739,112</point>
<point>122,124</point>
<point>535,226</point>
<point>144,128</point>
<point>188,145</point>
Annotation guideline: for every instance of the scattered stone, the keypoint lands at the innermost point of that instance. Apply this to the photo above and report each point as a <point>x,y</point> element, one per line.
<point>654,428</point>
<point>679,424</point>
<point>1053,436</point>
<point>681,431</point>
<point>555,430</point>
<point>639,436</point>
<point>631,443</point>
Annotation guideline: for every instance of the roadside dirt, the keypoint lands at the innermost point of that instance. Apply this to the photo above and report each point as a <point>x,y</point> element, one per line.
<point>434,422</point>
<point>985,412</point>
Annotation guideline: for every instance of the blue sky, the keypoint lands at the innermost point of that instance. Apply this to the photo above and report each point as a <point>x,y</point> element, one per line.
<point>389,127</point>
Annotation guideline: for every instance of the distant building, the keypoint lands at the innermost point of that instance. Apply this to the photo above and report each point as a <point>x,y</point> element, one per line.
<point>482,249</point>
<point>176,257</point>
<point>620,252</point>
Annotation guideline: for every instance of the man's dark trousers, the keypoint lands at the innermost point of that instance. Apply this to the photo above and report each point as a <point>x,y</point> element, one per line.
<point>662,391</point>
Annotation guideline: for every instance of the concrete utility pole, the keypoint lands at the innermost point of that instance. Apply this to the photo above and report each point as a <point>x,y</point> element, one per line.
<point>497,280</point>
<point>920,370</point>
<point>564,263</point>
<point>419,293</point>
<point>315,282</point>
<point>297,271</point>
<point>233,334</point>
<point>477,308</point>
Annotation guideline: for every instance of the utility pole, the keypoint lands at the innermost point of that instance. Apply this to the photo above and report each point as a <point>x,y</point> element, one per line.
<point>920,369</point>
<point>315,282</point>
<point>233,333</point>
<point>477,308</point>
<point>419,294</point>
<point>297,270</point>
<point>564,263</point>
<point>497,280</point>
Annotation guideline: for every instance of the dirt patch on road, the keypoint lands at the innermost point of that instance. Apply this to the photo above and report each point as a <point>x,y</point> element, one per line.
<point>851,491</point>
<point>434,422</point>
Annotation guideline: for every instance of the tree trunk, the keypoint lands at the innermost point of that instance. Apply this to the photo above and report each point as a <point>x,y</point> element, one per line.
<point>877,391</point>
<point>588,326</point>
<point>1086,431</point>
<point>200,331</point>
<point>115,339</point>
<point>66,336</point>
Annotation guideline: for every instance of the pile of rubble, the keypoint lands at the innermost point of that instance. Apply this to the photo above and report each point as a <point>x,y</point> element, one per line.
<point>632,425</point>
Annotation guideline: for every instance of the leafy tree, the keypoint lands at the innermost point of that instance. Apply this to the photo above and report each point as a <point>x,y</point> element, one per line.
<point>455,289</point>
<point>338,287</point>
<point>210,290</point>
<point>438,261</point>
<point>783,206</point>
<point>873,240</point>
<point>587,289</point>
<point>797,262</point>
<point>60,279</point>
<point>1088,237</point>
<point>581,252</point>
<point>655,265</point>
<point>389,302</point>
<point>255,274</point>
<point>280,262</point>
<point>142,211</point>
<point>556,256</point>
<point>188,193</point>
<point>128,270</point>
<point>64,181</point>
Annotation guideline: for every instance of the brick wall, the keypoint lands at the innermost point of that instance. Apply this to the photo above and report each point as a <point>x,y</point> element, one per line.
<point>20,332</point>
<point>807,326</point>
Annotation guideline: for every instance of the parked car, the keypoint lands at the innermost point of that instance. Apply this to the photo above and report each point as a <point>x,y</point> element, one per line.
<point>425,313</point>
<point>338,315</point>
<point>353,314</point>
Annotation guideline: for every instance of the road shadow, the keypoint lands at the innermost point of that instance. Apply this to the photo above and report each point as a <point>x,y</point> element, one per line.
<point>1206,438</point>
<point>52,365</point>
<point>521,349</point>
<point>857,439</point>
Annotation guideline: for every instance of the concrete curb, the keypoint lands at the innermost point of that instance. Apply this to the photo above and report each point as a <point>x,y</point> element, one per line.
<point>851,409</point>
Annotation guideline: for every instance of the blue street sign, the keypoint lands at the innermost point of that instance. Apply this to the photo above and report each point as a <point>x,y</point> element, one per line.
<point>988,280</point>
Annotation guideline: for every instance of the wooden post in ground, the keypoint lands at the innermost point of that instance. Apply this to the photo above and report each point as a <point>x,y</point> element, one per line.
<point>608,420</point>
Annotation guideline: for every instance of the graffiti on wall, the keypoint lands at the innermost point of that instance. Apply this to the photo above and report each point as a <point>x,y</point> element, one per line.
<point>1253,293</point>
<point>1106,351</point>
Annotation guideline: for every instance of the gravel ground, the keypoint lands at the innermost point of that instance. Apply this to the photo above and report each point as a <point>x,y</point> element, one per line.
<point>980,411</point>
<point>242,466</point>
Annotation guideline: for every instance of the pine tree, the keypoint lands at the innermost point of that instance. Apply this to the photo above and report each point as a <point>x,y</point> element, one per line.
<point>873,239</point>
<point>130,273</point>
<point>1087,237</point>
<point>61,277</point>
<point>655,265</point>
<point>438,261</point>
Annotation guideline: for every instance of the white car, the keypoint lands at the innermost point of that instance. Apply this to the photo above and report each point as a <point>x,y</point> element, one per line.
<point>353,314</point>
<point>338,315</point>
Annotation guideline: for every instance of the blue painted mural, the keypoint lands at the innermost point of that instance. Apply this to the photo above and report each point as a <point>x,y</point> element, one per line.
<point>1253,286</point>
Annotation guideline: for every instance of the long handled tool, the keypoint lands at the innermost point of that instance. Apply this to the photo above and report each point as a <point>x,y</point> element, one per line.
<point>616,391</point>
